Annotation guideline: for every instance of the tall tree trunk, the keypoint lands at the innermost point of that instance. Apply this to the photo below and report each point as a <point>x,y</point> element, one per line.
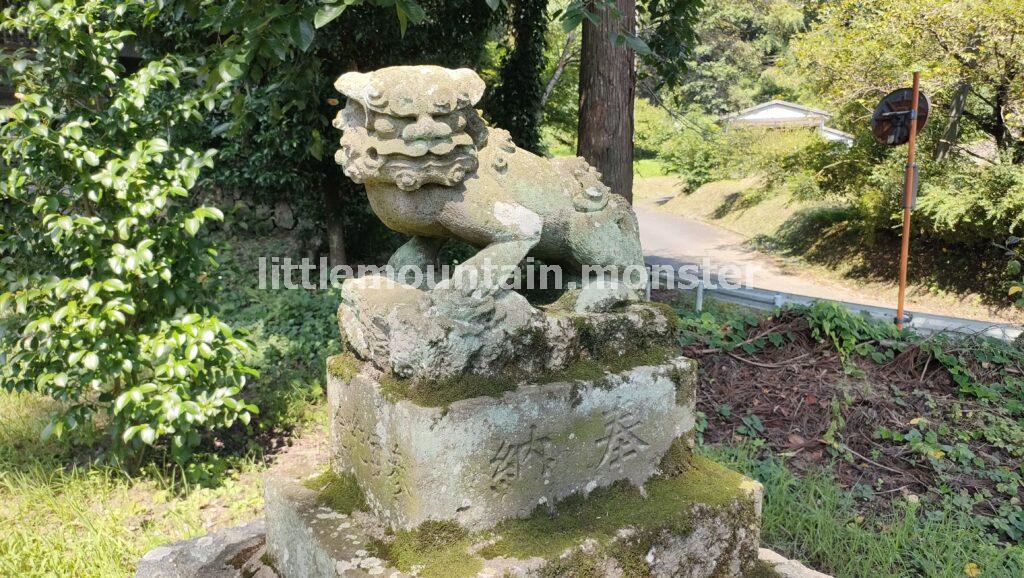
<point>333,218</point>
<point>952,131</point>
<point>607,86</point>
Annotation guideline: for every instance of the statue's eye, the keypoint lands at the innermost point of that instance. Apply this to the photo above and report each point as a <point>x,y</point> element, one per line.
<point>384,127</point>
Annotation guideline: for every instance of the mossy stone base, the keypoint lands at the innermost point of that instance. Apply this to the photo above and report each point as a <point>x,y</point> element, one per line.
<point>482,460</point>
<point>701,522</point>
<point>428,336</point>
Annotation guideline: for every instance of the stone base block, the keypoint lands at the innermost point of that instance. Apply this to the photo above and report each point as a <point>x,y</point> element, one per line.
<point>703,521</point>
<point>481,460</point>
<point>427,335</point>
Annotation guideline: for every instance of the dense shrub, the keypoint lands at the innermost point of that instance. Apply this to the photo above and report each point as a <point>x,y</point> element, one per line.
<point>105,272</point>
<point>701,150</point>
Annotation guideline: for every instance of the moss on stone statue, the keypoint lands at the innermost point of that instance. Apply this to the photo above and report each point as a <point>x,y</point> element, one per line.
<point>631,553</point>
<point>339,492</point>
<point>565,303</point>
<point>667,506</point>
<point>686,383</point>
<point>435,547</point>
<point>678,457</point>
<point>344,366</point>
<point>668,311</point>
<point>578,564</point>
<point>607,510</point>
<point>444,392</point>
<point>762,569</point>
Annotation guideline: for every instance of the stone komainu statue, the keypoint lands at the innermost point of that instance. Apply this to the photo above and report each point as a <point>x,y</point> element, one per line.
<point>434,170</point>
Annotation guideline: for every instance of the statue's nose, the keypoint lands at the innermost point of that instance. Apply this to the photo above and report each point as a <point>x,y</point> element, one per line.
<point>426,128</point>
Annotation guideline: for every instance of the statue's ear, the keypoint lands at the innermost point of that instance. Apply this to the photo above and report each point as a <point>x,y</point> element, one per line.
<point>353,85</point>
<point>470,82</point>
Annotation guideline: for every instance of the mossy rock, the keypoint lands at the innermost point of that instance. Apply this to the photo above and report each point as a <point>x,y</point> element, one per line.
<point>339,492</point>
<point>669,504</point>
<point>344,366</point>
<point>444,392</point>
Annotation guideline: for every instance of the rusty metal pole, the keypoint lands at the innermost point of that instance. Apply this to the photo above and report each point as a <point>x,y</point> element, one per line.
<point>909,187</point>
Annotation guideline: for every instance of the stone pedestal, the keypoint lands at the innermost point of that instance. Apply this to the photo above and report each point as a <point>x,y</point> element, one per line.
<point>585,477</point>
<point>700,522</point>
<point>479,461</point>
<point>491,438</point>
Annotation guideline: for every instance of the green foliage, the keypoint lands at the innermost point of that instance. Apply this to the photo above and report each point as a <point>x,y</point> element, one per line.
<point>737,42</point>
<point>665,34</point>
<point>859,50</point>
<point>847,332</point>
<point>106,274</point>
<point>1015,253</point>
<point>687,144</point>
<point>814,519</point>
<point>700,151</point>
<point>986,375</point>
<point>515,100</point>
<point>561,76</point>
<point>292,331</point>
<point>274,134</point>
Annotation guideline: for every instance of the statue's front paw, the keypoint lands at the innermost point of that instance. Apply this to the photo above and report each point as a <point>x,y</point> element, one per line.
<point>467,303</point>
<point>604,295</point>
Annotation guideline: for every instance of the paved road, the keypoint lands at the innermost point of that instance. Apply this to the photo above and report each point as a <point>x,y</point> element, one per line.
<point>677,241</point>
<point>674,240</point>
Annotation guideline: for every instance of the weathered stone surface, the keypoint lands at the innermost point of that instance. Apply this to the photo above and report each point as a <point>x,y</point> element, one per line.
<point>307,540</point>
<point>434,170</point>
<point>485,459</point>
<point>717,538</point>
<point>786,568</point>
<point>231,553</point>
<point>430,335</point>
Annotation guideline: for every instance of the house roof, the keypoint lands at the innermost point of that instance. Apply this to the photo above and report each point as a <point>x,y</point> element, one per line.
<point>784,103</point>
<point>837,132</point>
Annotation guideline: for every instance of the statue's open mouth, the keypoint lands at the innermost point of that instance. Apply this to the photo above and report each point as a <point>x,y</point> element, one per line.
<point>419,148</point>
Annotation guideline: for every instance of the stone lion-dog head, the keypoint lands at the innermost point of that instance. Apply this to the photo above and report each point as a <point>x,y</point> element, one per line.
<point>410,131</point>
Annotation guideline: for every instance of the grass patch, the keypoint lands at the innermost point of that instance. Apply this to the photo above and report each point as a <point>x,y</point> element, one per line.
<point>63,516</point>
<point>444,392</point>
<point>644,168</point>
<point>815,520</point>
<point>339,492</point>
<point>742,205</point>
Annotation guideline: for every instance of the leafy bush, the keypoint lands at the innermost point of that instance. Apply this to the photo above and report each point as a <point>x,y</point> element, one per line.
<point>105,273</point>
<point>694,150</point>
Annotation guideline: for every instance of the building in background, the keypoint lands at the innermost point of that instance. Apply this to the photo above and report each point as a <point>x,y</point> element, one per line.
<point>783,114</point>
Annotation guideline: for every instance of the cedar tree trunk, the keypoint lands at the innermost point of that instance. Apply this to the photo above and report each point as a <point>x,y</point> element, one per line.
<point>607,85</point>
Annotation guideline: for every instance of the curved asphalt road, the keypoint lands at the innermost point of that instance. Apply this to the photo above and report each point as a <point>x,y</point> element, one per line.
<point>676,241</point>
